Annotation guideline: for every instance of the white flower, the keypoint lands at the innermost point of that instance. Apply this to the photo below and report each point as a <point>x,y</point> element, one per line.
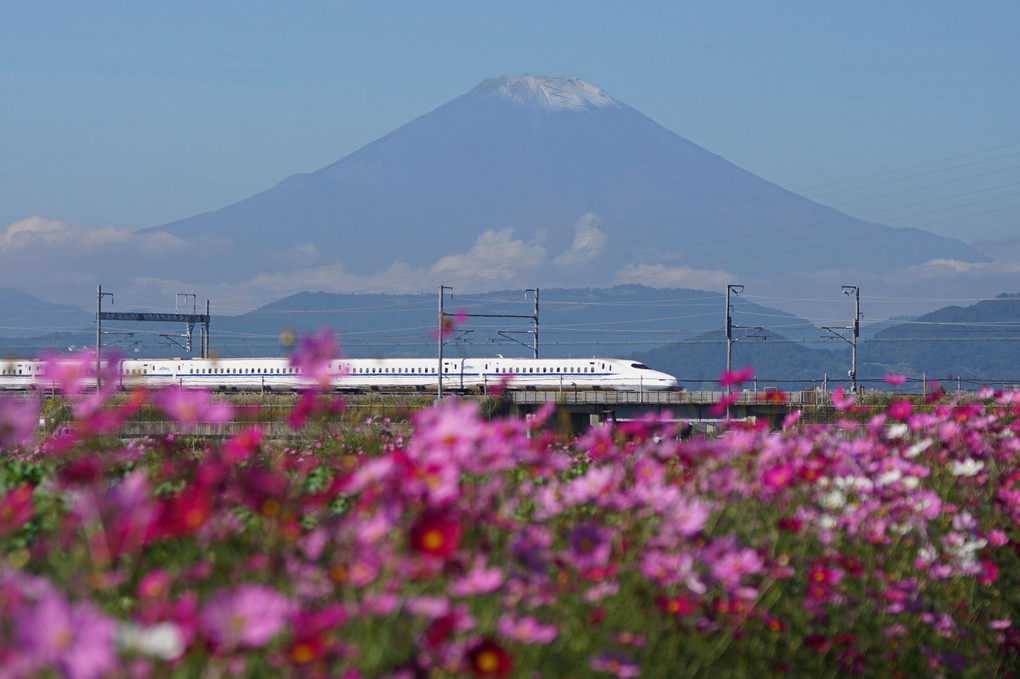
<point>162,640</point>
<point>968,467</point>
<point>918,448</point>
<point>832,500</point>
<point>897,431</point>
<point>826,522</point>
<point>890,477</point>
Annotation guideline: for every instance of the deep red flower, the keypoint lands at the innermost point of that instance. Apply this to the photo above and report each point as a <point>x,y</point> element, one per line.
<point>989,572</point>
<point>436,534</point>
<point>186,512</point>
<point>679,605</point>
<point>16,508</point>
<point>488,659</point>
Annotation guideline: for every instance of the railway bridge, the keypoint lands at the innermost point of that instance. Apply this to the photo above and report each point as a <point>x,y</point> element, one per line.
<point>696,407</point>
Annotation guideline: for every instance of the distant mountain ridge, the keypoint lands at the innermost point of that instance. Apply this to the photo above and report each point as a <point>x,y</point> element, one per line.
<point>552,182</point>
<point>675,330</point>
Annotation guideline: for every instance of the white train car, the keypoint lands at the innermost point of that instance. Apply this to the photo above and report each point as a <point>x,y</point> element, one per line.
<point>420,374</point>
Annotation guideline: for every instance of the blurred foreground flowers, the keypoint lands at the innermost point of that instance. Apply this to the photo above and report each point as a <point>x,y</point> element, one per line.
<point>882,546</point>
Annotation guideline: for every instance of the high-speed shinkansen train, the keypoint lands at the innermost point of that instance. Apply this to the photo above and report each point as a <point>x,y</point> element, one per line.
<point>459,374</point>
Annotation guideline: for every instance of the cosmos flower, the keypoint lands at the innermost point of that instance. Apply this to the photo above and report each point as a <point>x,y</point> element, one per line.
<point>246,616</point>
<point>19,418</point>
<point>488,659</point>
<point>615,663</point>
<point>313,358</point>
<point>191,407</point>
<point>16,508</point>
<point>74,639</point>
<point>967,467</point>
<point>526,630</point>
<point>436,534</point>
<point>735,377</point>
<point>590,546</point>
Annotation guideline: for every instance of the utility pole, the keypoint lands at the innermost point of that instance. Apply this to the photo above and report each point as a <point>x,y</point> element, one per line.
<point>736,290</point>
<point>99,332</point>
<point>855,332</point>
<point>442,323</point>
<point>535,319</point>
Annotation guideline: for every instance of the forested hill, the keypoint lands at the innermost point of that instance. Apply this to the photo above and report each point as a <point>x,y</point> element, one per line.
<point>981,340</point>
<point>975,344</point>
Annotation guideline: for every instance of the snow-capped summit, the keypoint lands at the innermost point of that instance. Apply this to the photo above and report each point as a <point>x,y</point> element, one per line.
<point>555,94</point>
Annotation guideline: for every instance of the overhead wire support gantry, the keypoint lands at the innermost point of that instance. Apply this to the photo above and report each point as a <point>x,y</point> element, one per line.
<point>445,324</point>
<point>855,332</point>
<point>189,320</point>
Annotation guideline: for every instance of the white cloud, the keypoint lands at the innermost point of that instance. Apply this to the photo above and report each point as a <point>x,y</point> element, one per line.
<point>495,256</point>
<point>660,276</point>
<point>33,230</point>
<point>589,242</point>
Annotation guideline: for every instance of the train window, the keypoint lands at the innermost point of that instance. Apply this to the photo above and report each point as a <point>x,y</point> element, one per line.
<point>640,366</point>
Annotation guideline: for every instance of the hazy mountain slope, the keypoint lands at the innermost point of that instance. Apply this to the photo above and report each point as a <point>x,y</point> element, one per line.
<point>511,154</point>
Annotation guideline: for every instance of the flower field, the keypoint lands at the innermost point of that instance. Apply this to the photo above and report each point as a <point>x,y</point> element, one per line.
<point>882,546</point>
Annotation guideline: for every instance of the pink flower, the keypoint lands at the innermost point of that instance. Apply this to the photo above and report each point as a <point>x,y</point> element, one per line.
<point>615,663</point>
<point>840,401</point>
<point>314,355</point>
<point>899,409</point>
<point>190,407</point>
<point>449,324</point>
<point>895,379</point>
<point>526,630</point>
<point>777,477</point>
<point>731,566</point>
<point>717,409</point>
<point>735,377</point>
<point>479,580</point>
<point>249,615</point>
<point>590,546</point>
<point>16,508</point>
<point>75,640</point>
<point>19,419</point>
<point>70,375</point>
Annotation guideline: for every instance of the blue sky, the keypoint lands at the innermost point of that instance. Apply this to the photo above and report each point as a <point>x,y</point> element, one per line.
<point>118,116</point>
<point>132,114</point>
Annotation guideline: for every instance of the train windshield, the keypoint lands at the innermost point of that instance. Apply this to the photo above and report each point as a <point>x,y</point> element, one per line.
<point>640,366</point>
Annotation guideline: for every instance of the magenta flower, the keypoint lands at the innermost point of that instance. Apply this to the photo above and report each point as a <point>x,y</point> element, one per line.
<point>615,663</point>
<point>16,508</point>
<point>19,419</point>
<point>895,379</point>
<point>479,580</point>
<point>70,375</point>
<point>841,401</point>
<point>191,407</point>
<point>76,639</point>
<point>314,355</point>
<point>731,566</point>
<point>719,408</point>
<point>249,615</point>
<point>590,546</point>
<point>526,630</point>
<point>899,409</point>
<point>735,377</point>
<point>449,324</point>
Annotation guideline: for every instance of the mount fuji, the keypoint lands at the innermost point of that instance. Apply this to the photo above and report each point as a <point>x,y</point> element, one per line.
<point>551,181</point>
